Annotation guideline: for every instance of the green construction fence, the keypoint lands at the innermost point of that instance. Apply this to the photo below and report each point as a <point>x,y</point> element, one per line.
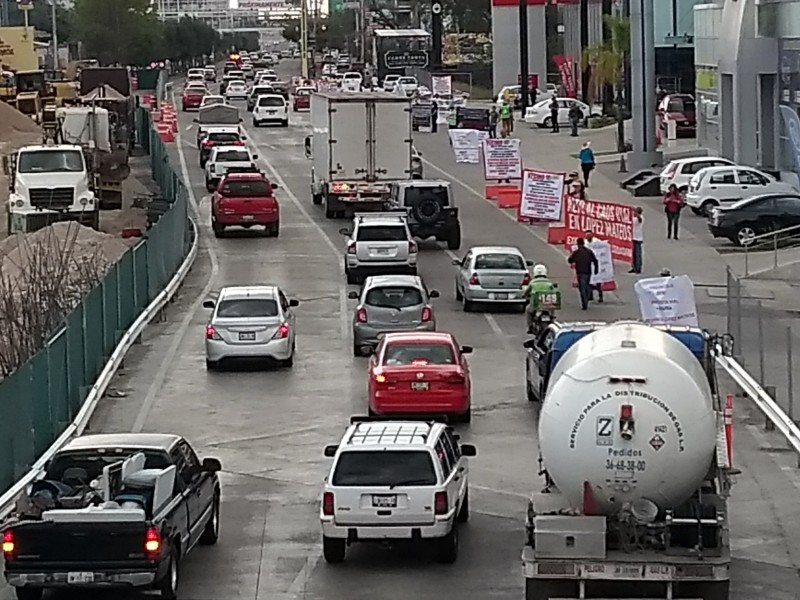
<point>41,398</point>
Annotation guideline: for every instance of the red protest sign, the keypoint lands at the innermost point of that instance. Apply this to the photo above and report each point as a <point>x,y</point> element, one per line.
<point>606,220</point>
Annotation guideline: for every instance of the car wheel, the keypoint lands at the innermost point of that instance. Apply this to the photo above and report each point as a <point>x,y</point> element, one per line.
<point>696,211</point>
<point>352,278</point>
<point>289,362</point>
<point>211,532</point>
<point>219,230</point>
<point>454,239</point>
<point>168,586</point>
<point>356,350</point>
<point>29,593</point>
<point>333,549</point>
<point>255,123</point>
<point>212,365</point>
<point>316,199</point>
<point>465,417</point>
<point>447,547</point>
<point>548,122</point>
<point>706,207</point>
<point>210,186</point>
<point>459,296</point>
<point>285,123</point>
<point>745,235</point>
<point>466,304</point>
<point>463,512</point>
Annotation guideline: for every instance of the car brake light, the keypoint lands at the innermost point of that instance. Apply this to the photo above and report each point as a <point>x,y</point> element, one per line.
<point>427,314</point>
<point>207,143</point>
<point>340,187</point>
<point>361,315</point>
<point>457,377</point>
<point>380,378</point>
<point>412,247</point>
<point>211,333</point>
<point>351,249</point>
<point>526,279</point>
<point>152,542</point>
<point>283,332</point>
<point>440,503</point>
<point>474,279</point>
<point>8,543</point>
<point>327,504</point>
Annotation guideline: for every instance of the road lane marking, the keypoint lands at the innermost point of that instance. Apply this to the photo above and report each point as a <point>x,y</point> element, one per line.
<point>180,334</point>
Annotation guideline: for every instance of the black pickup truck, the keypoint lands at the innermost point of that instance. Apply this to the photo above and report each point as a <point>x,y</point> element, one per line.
<point>112,510</point>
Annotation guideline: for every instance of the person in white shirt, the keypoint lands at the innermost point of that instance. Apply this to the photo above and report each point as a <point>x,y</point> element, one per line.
<point>638,238</point>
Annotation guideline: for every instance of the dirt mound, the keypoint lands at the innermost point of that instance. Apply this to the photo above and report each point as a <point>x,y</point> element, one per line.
<point>12,121</point>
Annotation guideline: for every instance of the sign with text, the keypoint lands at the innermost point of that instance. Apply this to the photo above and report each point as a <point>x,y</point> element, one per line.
<point>502,158</point>
<point>542,195</point>
<point>422,117</point>
<point>667,300</point>
<point>605,262</point>
<point>564,66</point>
<point>407,58</point>
<point>442,85</point>
<point>606,220</point>
<point>467,144</point>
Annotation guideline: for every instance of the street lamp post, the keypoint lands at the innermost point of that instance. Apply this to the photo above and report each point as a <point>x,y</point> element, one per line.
<point>53,13</point>
<point>304,39</point>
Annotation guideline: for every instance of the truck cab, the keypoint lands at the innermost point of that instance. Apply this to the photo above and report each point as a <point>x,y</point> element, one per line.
<point>49,184</point>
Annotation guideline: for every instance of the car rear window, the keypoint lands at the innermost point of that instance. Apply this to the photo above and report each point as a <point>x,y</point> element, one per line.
<point>261,90</point>
<point>499,261</point>
<point>278,102</point>
<point>245,189</point>
<point>384,233</point>
<point>680,105</point>
<point>381,468</point>
<point>394,297</point>
<point>223,137</point>
<point>233,155</point>
<point>247,307</point>
<point>398,354</point>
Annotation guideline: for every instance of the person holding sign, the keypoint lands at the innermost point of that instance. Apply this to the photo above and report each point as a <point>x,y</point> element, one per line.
<point>594,287</point>
<point>584,261</point>
<point>505,119</point>
<point>543,296</point>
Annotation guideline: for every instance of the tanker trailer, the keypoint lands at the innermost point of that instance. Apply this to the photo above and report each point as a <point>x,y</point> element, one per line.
<point>632,449</point>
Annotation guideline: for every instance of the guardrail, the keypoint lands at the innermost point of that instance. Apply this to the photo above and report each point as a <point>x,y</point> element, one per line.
<point>40,398</point>
<point>776,237</point>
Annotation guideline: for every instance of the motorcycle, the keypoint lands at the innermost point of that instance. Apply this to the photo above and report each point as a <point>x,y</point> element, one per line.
<point>548,303</point>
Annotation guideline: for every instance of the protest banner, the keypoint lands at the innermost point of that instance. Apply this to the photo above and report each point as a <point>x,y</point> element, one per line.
<point>422,117</point>
<point>442,85</point>
<point>606,220</point>
<point>542,195</point>
<point>502,159</point>
<point>667,300</point>
<point>467,144</point>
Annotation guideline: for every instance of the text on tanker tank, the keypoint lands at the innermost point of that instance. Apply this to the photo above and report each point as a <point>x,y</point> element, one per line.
<point>586,409</point>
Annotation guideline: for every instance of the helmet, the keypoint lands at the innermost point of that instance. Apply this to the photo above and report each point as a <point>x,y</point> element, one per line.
<point>540,271</point>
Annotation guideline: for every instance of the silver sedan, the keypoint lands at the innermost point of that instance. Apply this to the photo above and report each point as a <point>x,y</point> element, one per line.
<point>492,275</point>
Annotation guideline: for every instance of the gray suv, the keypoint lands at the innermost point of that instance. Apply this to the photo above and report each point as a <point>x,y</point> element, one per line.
<point>379,243</point>
<point>431,209</point>
<point>390,303</point>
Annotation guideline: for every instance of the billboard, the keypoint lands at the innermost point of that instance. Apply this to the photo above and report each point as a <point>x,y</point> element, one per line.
<point>16,49</point>
<point>255,4</point>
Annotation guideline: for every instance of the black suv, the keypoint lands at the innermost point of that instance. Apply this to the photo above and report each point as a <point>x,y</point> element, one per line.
<point>431,209</point>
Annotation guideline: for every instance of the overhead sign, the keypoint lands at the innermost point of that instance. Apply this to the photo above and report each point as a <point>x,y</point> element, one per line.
<point>351,5</point>
<point>255,4</point>
<point>407,58</point>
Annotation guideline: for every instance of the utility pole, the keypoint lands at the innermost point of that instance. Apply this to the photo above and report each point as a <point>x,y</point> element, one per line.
<point>643,86</point>
<point>436,36</point>
<point>523,54</point>
<point>585,69</point>
<point>53,12</point>
<point>314,29</point>
<point>304,39</point>
<point>363,31</point>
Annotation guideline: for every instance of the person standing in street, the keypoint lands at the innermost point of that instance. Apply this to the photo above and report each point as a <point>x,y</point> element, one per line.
<point>505,119</point>
<point>575,118</point>
<point>586,158</point>
<point>585,263</point>
<point>494,117</point>
<point>673,204</point>
<point>554,114</point>
<point>434,116</point>
<point>638,238</point>
<point>596,287</point>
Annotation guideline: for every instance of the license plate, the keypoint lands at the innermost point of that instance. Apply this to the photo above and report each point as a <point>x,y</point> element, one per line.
<point>498,296</point>
<point>247,336</point>
<point>248,218</point>
<point>80,577</point>
<point>384,501</point>
<point>419,386</point>
<point>382,251</point>
<point>629,572</point>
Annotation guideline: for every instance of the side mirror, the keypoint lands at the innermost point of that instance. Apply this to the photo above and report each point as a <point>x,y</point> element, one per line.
<point>241,120</point>
<point>529,344</point>
<point>208,304</point>
<point>195,120</point>
<point>344,231</point>
<point>255,157</point>
<point>529,263</point>
<point>466,349</point>
<point>293,303</point>
<point>433,294</point>
<point>330,451</point>
<point>274,186</point>
<point>456,262</point>
<point>212,465</point>
<point>468,450</point>
<point>419,153</point>
<point>353,295</point>
<point>242,137</point>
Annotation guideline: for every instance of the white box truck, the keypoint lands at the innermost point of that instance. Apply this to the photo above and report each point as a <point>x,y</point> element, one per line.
<point>361,143</point>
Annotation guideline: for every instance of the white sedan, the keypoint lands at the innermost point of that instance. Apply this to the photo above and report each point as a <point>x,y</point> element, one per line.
<point>539,113</point>
<point>236,90</point>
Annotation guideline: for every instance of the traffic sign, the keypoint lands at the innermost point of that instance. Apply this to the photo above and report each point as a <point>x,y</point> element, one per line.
<point>407,58</point>
<point>351,5</point>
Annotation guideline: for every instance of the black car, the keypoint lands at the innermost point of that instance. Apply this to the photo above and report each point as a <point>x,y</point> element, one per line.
<point>431,209</point>
<point>743,221</point>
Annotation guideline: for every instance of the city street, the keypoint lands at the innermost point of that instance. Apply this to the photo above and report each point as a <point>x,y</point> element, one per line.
<point>269,428</point>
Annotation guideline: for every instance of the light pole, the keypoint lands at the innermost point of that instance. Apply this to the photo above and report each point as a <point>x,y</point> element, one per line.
<point>304,39</point>
<point>643,86</point>
<point>53,8</point>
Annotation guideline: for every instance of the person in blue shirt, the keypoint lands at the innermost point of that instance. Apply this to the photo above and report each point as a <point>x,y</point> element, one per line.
<point>586,157</point>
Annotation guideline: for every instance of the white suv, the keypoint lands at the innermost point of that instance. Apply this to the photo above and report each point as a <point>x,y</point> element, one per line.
<point>271,108</point>
<point>228,159</point>
<point>379,244</point>
<point>395,480</point>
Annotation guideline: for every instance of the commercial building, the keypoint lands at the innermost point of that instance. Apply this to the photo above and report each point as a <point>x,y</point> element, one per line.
<point>747,58</point>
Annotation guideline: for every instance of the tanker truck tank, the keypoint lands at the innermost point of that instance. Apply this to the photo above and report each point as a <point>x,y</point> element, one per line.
<point>628,417</point>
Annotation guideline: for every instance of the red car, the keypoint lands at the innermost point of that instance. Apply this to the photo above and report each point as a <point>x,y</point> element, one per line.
<point>302,98</point>
<point>193,96</point>
<point>681,109</point>
<point>420,373</point>
<point>245,200</point>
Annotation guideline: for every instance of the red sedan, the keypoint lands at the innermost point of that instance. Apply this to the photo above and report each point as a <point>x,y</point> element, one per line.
<point>245,200</point>
<point>302,98</point>
<point>193,96</point>
<point>420,373</point>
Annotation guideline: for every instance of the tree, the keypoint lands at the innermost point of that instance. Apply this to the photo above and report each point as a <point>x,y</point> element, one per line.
<point>40,18</point>
<point>188,39</point>
<point>607,62</point>
<point>332,31</point>
<point>469,16</point>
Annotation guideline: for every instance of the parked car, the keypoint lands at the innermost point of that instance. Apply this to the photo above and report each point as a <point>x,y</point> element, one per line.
<point>408,85</point>
<point>743,221</point>
<point>681,109</point>
<point>245,200</point>
<point>539,113</point>
<point>492,275</point>
<point>390,82</point>
<point>723,186</point>
<point>680,172</point>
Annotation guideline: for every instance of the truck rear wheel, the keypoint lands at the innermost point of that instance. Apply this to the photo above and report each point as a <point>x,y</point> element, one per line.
<point>29,593</point>
<point>317,199</point>
<point>544,589</point>
<point>334,549</point>
<point>168,586</point>
<point>454,238</point>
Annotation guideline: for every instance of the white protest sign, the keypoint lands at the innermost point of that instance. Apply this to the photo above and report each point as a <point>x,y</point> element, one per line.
<point>667,300</point>
<point>542,195</point>
<point>502,158</point>
<point>442,85</point>
<point>605,262</point>
<point>467,144</point>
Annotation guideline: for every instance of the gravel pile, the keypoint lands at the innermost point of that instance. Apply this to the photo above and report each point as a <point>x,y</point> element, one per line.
<point>16,130</point>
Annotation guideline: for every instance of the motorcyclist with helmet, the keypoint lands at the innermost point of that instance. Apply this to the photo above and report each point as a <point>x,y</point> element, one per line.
<point>540,284</point>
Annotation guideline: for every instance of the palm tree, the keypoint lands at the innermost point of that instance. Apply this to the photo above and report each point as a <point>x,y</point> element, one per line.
<point>607,62</point>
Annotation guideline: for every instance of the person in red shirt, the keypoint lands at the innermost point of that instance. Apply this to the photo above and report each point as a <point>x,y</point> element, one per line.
<point>673,204</point>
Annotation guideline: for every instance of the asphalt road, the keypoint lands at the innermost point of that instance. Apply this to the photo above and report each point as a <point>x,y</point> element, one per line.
<point>269,428</point>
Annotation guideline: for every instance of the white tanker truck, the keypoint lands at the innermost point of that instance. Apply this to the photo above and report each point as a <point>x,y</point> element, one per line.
<point>633,453</point>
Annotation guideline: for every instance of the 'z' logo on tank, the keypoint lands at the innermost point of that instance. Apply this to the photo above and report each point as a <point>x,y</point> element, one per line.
<point>657,442</point>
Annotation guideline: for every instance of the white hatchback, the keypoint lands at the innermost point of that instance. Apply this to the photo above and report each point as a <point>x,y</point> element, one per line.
<point>271,108</point>
<point>727,185</point>
<point>351,82</point>
<point>680,172</point>
<point>395,480</point>
<point>539,113</point>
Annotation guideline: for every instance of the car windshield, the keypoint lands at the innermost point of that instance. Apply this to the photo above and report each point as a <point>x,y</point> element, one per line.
<point>394,297</point>
<point>236,83</point>
<point>398,354</point>
<point>195,89</point>
<point>232,156</point>
<point>382,468</point>
<point>384,233</point>
<point>499,261</point>
<point>680,105</point>
<point>261,90</point>
<point>247,307</point>
<point>223,137</point>
<point>50,161</point>
<point>247,188</point>
<point>209,100</point>
<point>270,101</point>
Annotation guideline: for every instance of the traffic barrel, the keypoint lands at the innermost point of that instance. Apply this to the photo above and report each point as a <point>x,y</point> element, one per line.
<point>165,132</point>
